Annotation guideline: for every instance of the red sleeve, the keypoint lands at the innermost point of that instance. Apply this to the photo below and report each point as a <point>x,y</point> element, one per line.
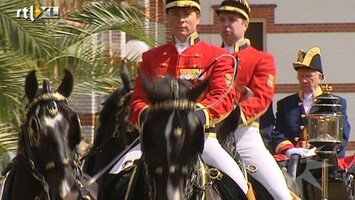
<point>223,103</point>
<point>139,99</point>
<point>262,84</point>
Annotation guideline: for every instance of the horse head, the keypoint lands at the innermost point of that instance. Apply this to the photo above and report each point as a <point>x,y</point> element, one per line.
<point>172,136</point>
<point>50,133</point>
<point>115,131</point>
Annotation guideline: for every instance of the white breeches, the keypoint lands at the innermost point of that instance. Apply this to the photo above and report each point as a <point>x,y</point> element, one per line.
<point>252,150</point>
<point>213,154</point>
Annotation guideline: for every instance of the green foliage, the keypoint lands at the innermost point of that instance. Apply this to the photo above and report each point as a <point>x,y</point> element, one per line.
<point>70,42</point>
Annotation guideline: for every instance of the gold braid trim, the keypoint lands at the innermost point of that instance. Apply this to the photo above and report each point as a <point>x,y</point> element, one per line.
<point>173,105</point>
<point>44,97</point>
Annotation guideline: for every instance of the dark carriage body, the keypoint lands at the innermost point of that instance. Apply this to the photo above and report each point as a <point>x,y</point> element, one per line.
<point>306,177</point>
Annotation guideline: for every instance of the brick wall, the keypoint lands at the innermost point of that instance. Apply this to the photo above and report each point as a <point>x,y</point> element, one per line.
<point>267,13</point>
<point>87,107</point>
<point>337,88</point>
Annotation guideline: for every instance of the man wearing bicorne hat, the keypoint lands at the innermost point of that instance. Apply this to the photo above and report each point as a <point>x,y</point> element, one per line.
<point>255,86</point>
<point>188,57</point>
<point>290,135</point>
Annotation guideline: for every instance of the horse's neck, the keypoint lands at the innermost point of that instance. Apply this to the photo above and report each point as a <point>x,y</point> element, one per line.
<point>21,176</point>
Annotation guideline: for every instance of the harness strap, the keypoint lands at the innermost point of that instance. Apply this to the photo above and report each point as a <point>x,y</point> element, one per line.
<point>114,161</point>
<point>44,97</point>
<point>133,179</point>
<point>202,181</point>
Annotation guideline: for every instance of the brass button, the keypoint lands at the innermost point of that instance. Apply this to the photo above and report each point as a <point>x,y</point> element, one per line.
<point>165,53</point>
<point>194,66</point>
<point>296,139</point>
<point>303,116</point>
<point>301,127</point>
<point>163,64</point>
<point>197,55</point>
<point>299,103</point>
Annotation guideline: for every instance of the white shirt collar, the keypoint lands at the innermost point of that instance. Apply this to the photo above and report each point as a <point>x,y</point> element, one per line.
<point>181,46</point>
<point>232,48</point>
<point>307,102</point>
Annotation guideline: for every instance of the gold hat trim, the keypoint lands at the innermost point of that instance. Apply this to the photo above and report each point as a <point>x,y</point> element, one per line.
<point>307,59</point>
<point>234,9</point>
<point>183,4</point>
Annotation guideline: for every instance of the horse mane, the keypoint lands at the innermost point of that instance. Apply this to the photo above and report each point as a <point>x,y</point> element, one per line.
<point>111,103</point>
<point>109,106</point>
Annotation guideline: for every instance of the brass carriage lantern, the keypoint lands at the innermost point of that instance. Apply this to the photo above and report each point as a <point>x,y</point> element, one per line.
<point>325,122</point>
<point>325,129</point>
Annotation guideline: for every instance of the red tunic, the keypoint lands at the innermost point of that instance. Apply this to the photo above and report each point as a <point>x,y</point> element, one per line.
<point>165,60</point>
<point>256,71</point>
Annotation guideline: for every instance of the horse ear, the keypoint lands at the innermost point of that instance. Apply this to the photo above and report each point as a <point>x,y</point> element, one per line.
<point>31,85</point>
<point>197,91</point>
<point>228,125</point>
<point>66,87</point>
<point>125,77</point>
<point>147,84</point>
<point>199,139</point>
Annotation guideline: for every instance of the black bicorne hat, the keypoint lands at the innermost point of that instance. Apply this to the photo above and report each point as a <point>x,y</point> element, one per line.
<point>239,6</point>
<point>182,3</point>
<point>310,59</point>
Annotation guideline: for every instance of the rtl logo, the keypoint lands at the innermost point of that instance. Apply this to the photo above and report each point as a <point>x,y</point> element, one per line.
<point>43,12</point>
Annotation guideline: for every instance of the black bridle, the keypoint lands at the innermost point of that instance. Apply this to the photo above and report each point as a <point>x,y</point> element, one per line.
<point>198,177</point>
<point>32,131</point>
<point>187,169</point>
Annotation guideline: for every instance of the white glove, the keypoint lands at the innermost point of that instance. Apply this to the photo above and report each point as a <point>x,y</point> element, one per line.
<point>301,151</point>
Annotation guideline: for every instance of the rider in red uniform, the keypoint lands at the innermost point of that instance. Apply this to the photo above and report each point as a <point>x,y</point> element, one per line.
<point>188,65</point>
<point>190,58</point>
<point>255,86</point>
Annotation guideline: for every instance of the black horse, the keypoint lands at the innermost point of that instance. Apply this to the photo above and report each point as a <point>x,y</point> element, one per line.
<point>172,142</point>
<point>45,166</point>
<point>115,131</point>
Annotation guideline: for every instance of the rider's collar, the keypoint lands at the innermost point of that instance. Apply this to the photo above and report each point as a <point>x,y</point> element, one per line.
<point>191,40</point>
<point>238,46</point>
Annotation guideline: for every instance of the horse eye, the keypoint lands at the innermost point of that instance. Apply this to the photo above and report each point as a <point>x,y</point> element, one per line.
<point>34,130</point>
